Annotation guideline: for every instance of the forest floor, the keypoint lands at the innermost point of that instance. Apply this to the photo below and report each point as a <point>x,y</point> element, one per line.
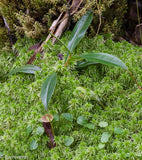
<point>118,136</point>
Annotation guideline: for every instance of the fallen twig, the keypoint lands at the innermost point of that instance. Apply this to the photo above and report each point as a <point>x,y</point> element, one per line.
<point>58,26</point>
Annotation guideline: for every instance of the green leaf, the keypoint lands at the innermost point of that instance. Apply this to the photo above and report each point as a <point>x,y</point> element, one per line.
<point>83,64</point>
<point>118,130</point>
<point>103,124</point>
<point>89,125</point>
<point>40,131</point>
<point>104,58</point>
<point>55,117</point>
<point>47,88</point>
<point>105,137</point>
<point>25,69</point>
<point>81,120</point>
<point>68,116</point>
<point>33,145</point>
<point>101,145</point>
<point>1,154</point>
<point>29,130</point>
<point>79,31</point>
<point>68,141</point>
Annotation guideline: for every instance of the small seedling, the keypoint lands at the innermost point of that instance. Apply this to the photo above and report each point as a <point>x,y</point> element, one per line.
<point>29,130</point>
<point>105,137</point>
<point>103,124</point>
<point>84,122</point>
<point>33,145</point>
<point>118,130</point>
<point>101,145</point>
<point>68,141</point>
<point>68,116</point>
<point>40,131</point>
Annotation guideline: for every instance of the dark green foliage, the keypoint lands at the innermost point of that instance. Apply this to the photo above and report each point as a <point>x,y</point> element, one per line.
<point>47,88</point>
<point>21,106</point>
<point>31,69</point>
<point>104,58</point>
<point>79,30</point>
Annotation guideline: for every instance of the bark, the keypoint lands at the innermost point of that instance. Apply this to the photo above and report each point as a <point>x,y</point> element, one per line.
<point>61,27</point>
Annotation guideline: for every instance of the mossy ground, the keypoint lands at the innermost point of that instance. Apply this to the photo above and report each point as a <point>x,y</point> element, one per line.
<point>21,105</point>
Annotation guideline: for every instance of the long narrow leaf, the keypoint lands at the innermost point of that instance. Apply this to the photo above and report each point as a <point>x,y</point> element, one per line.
<point>79,31</point>
<point>83,64</point>
<point>47,88</point>
<point>25,69</point>
<point>104,58</point>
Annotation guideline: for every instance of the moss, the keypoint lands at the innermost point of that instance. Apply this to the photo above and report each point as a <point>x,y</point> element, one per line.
<point>21,104</point>
<point>111,12</point>
<point>3,36</point>
<point>33,18</point>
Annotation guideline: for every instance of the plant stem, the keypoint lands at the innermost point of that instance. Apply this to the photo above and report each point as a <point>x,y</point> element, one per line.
<point>130,73</point>
<point>60,42</point>
<point>52,129</point>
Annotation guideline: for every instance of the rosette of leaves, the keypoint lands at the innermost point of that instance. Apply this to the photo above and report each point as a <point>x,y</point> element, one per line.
<point>77,34</point>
